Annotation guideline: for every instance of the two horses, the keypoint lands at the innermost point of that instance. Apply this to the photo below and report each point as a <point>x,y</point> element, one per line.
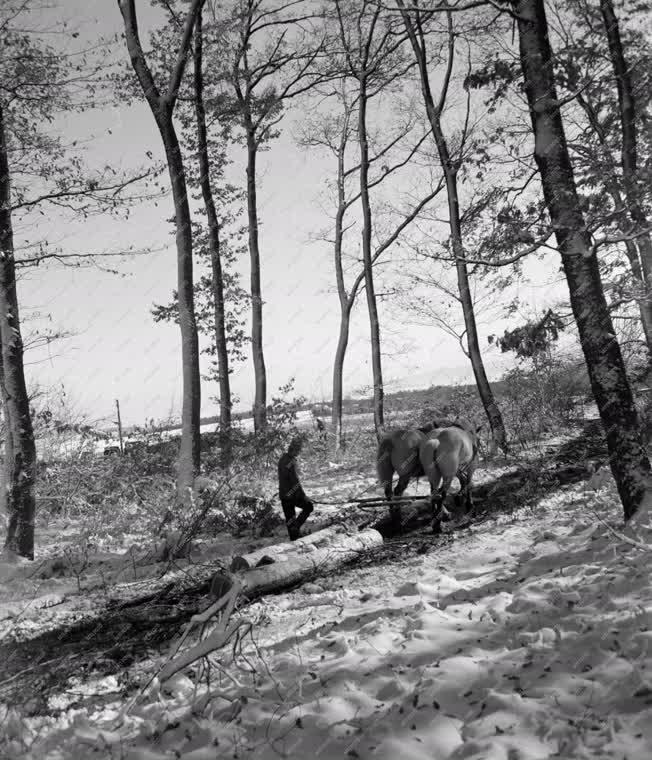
<point>440,452</point>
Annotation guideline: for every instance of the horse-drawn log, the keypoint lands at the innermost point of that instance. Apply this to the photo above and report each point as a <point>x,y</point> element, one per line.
<point>414,514</point>
<point>302,566</point>
<point>381,499</point>
<point>281,552</point>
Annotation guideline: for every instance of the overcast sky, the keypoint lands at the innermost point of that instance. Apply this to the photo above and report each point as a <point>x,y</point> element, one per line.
<point>119,352</point>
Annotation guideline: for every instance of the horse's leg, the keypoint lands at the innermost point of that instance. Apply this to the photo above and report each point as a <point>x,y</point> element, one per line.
<point>469,490</point>
<point>462,498</point>
<point>436,503</point>
<point>403,482</point>
<point>441,514</point>
<point>395,509</point>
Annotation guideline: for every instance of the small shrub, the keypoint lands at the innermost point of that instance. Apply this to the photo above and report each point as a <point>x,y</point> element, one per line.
<point>242,516</point>
<point>542,399</point>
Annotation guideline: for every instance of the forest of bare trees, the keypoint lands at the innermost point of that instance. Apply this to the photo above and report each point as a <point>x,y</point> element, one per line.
<point>464,139</point>
<point>326,379</point>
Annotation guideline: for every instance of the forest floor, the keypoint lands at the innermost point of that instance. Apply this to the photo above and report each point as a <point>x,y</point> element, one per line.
<point>524,636</point>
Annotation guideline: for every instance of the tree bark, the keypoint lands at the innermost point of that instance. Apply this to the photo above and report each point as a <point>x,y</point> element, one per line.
<point>189,451</point>
<point>162,107</point>
<point>19,466</point>
<point>346,300</point>
<point>8,454</point>
<point>303,566</point>
<point>374,323</point>
<point>450,170</point>
<point>260,374</point>
<point>282,552</point>
<point>338,375</point>
<point>214,248</point>
<point>628,460</point>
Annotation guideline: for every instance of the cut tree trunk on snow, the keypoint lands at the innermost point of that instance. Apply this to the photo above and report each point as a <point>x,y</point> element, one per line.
<point>281,552</point>
<point>413,515</point>
<point>380,500</point>
<point>302,566</point>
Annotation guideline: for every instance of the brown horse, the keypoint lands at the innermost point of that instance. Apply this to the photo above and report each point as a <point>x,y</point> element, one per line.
<point>451,452</point>
<point>398,452</point>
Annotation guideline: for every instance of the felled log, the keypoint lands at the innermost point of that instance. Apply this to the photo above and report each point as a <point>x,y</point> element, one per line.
<point>414,515</point>
<point>300,566</point>
<point>381,500</point>
<point>281,552</point>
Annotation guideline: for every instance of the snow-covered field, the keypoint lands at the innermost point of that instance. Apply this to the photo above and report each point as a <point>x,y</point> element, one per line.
<point>524,637</point>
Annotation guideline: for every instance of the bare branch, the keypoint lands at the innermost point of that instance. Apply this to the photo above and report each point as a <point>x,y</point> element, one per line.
<point>65,258</point>
<point>182,56</point>
<point>134,46</point>
<point>81,192</point>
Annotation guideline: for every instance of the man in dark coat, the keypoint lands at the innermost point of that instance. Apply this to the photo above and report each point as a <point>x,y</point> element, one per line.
<point>290,491</point>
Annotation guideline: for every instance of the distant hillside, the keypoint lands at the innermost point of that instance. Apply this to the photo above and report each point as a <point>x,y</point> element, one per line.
<point>434,396</point>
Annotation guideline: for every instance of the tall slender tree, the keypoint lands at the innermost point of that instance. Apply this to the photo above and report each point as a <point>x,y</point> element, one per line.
<point>207,139</point>
<point>162,105</point>
<point>268,57</point>
<point>37,171</point>
<point>630,124</point>
<point>413,20</point>
<point>518,220</point>
<point>372,58</point>
<point>20,450</point>
<point>392,150</point>
<point>628,459</point>
<point>212,219</point>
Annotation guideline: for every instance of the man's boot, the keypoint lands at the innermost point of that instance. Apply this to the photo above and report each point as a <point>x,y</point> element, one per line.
<point>294,531</point>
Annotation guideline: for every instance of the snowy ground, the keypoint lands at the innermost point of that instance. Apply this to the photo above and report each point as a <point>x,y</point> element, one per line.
<point>524,637</point>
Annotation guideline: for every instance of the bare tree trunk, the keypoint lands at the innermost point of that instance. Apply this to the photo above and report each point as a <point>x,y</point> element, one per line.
<point>367,258</point>
<point>629,150</point>
<point>450,169</point>
<point>338,375</point>
<point>346,300</point>
<point>214,247</point>
<point>8,448</point>
<point>260,400</point>
<point>20,450</point>
<point>162,107</point>
<point>189,452</point>
<point>628,460</point>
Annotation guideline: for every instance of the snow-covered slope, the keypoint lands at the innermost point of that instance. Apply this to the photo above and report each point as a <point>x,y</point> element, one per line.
<point>526,637</point>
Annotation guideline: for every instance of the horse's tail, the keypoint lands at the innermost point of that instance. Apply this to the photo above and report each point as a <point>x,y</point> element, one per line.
<point>432,444</point>
<point>428,452</point>
<point>384,466</point>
